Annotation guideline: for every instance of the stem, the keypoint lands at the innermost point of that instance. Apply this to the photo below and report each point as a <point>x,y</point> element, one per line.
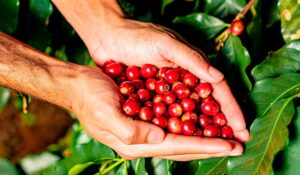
<point>244,10</point>
<point>108,169</point>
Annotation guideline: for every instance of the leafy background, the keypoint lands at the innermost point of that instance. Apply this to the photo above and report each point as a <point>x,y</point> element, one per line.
<point>262,67</point>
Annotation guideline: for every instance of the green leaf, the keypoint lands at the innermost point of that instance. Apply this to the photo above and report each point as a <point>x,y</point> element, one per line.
<point>139,166</point>
<point>122,170</point>
<point>223,8</point>
<point>273,14</point>
<point>7,168</point>
<point>162,166</point>
<point>254,30</point>
<point>291,155</point>
<point>164,4</point>
<point>78,168</point>
<point>268,135</point>
<point>207,26</point>
<point>268,91</point>
<point>212,166</point>
<point>4,97</point>
<point>289,11</point>
<point>236,59</point>
<point>82,153</point>
<point>286,59</point>
<point>9,11</point>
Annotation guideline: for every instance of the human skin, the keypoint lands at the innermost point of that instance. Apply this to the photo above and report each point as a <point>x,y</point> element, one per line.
<point>94,97</point>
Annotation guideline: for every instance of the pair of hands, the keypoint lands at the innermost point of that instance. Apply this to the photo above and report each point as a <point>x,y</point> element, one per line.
<point>97,103</point>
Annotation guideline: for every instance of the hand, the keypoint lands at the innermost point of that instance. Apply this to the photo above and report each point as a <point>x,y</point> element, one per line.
<point>97,106</point>
<point>138,43</point>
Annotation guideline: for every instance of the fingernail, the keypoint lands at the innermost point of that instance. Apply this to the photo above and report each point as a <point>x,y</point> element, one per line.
<point>215,74</point>
<point>154,137</point>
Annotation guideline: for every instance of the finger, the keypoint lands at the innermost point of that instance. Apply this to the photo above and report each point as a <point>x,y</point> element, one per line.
<point>131,131</point>
<point>231,109</point>
<point>237,150</point>
<point>191,60</point>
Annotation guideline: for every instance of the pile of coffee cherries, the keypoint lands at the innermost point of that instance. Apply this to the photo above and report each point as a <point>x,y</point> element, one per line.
<point>171,98</point>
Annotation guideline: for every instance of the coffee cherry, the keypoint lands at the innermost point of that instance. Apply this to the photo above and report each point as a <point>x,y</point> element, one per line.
<point>212,131</point>
<point>175,110</point>
<point>205,120</point>
<point>188,105</point>
<point>148,70</point>
<point>138,84</point>
<point>158,98</point>
<point>194,96</point>
<point>161,87</point>
<point>198,132</point>
<point>190,79</point>
<point>175,84</point>
<point>132,73</point>
<point>160,121</point>
<point>159,108</point>
<point>182,91</point>
<point>172,76</point>
<point>113,70</point>
<point>209,98</point>
<point>144,95</point>
<point>227,132</point>
<point>174,125</point>
<point>146,113</point>
<point>107,63</point>
<point>203,89</point>
<point>121,78</point>
<point>133,96</point>
<point>210,108</point>
<point>150,84</point>
<point>181,71</point>
<point>161,74</point>
<point>126,88</point>
<point>188,127</point>
<point>237,27</point>
<point>131,107</point>
<point>149,104</point>
<point>220,119</point>
<point>169,98</point>
<point>190,116</point>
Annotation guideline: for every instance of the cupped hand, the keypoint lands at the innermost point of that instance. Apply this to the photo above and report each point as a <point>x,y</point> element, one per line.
<point>98,108</point>
<point>137,43</point>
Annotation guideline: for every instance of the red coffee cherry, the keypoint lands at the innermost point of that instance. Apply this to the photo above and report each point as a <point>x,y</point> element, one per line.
<point>144,95</point>
<point>236,27</point>
<point>175,84</point>
<point>205,120</point>
<point>113,70</point>
<point>182,91</point>
<point>160,121</point>
<point>107,63</point>
<point>172,76</point>
<point>175,110</point>
<point>148,70</point>
<point>220,119</point>
<point>227,132</point>
<point>169,98</point>
<point>174,125</point>
<point>138,84</point>
<point>126,88</point>
<point>212,131</point>
<point>194,96</point>
<point>131,107</point>
<point>188,127</point>
<point>158,98</point>
<point>190,116</point>
<point>162,86</point>
<point>132,73</point>
<point>161,74</point>
<point>149,104</point>
<point>159,108</point>
<point>133,96</point>
<point>146,113</point>
<point>210,108</point>
<point>190,79</point>
<point>188,105</point>
<point>203,89</point>
<point>150,84</point>
<point>198,132</point>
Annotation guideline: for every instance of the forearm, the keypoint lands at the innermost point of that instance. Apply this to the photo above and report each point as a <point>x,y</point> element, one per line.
<point>27,70</point>
<point>87,15</point>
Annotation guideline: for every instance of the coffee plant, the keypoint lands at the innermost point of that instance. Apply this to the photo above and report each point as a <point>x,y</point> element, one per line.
<point>256,45</point>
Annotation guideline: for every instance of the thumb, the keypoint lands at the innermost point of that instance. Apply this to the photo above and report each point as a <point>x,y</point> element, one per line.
<point>132,131</point>
<point>191,60</point>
